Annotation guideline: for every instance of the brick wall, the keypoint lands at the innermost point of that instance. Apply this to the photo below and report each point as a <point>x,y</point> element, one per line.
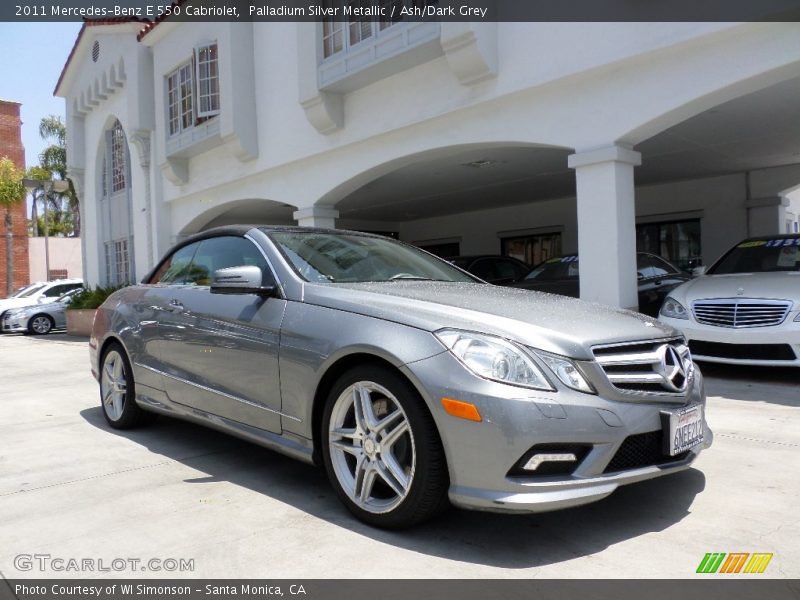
<point>11,146</point>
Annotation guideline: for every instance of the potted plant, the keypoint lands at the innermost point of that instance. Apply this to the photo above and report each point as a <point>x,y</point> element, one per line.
<point>80,312</point>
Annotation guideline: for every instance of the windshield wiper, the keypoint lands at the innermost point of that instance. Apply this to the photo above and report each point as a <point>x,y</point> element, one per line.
<point>410,277</point>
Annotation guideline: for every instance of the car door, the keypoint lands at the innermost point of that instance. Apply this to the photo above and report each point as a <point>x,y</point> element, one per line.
<point>220,351</point>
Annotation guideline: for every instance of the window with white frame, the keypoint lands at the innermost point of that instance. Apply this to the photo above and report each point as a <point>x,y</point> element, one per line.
<point>193,90</point>
<point>207,81</point>
<point>339,36</point>
<point>117,262</point>
<point>118,162</point>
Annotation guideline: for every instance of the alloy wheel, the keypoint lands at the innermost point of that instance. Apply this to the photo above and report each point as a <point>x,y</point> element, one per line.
<point>113,385</point>
<point>41,324</point>
<point>371,447</point>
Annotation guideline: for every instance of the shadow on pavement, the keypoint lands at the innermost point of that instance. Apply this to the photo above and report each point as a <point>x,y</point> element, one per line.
<point>776,385</point>
<point>509,541</point>
<point>57,336</point>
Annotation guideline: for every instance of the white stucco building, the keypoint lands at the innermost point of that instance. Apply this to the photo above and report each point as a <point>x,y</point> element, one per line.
<point>524,138</point>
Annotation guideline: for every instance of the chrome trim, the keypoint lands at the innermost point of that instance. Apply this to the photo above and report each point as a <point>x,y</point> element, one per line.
<point>668,358</point>
<point>755,312</point>
<point>213,391</point>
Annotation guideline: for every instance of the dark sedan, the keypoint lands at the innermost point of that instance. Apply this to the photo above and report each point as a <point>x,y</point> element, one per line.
<point>656,276</point>
<point>500,270</point>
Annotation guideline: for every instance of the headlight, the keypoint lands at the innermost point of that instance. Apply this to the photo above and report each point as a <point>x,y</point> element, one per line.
<point>566,371</point>
<point>494,358</point>
<point>674,309</point>
<point>797,318</point>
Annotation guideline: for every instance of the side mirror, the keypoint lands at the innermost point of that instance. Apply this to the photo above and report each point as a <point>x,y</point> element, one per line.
<point>697,271</point>
<point>240,280</point>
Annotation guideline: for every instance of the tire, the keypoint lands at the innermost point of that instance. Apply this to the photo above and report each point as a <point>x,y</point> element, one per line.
<point>40,324</point>
<point>118,391</point>
<point>387,467</point>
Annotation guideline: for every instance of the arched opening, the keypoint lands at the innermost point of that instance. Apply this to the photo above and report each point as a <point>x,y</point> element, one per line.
<point>720,175</point>
<point>257,211</point>
<point>465,199</point>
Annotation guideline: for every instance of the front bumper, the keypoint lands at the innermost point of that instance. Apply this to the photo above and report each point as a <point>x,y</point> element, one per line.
<point>14,323</point>
<point>482,456</point>
<point>759,346</point>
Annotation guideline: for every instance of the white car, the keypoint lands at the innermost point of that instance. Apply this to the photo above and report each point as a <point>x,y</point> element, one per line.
<point>37,293</point>
<point>745,309</point>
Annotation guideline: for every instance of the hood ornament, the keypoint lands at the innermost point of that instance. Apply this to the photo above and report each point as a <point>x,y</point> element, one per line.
<point>740,291</point>
<point>673,368</point>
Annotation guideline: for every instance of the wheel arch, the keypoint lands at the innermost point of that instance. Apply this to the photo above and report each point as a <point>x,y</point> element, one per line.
<point>101,349</point>
<point>332,374</point>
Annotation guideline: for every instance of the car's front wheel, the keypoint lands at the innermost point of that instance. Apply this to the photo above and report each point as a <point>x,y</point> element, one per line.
<point>40,325</point>
<point>382,451</point>
<point>118,390</point>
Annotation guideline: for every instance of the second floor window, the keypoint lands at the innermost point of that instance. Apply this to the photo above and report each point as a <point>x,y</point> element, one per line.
<point>193,90</point>
<point>338,36</point>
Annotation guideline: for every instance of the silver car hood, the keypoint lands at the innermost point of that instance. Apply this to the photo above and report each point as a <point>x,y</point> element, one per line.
<point>558,324</point>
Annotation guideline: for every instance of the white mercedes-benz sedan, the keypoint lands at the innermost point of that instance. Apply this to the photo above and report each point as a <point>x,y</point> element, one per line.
<point>746,308</point>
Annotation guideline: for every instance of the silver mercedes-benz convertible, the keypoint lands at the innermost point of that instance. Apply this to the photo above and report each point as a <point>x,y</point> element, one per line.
<point>413,383</point>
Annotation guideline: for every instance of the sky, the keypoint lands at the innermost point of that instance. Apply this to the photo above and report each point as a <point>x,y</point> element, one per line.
<point>33,56</point>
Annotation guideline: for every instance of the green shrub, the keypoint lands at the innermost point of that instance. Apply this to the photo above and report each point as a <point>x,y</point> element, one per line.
<point>92,298</point>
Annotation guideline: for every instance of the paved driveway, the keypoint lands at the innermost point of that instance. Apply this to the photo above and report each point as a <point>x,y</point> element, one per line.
<point>72,488</point>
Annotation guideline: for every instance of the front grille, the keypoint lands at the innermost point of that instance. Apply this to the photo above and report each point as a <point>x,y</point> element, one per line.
<point>655,367</point>
<point>642,450</point>
<point>743,351</point>
<point>741,312</point>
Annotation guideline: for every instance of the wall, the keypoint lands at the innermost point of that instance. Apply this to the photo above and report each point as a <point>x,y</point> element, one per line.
<point>65,253</point>
<point>11,146</point>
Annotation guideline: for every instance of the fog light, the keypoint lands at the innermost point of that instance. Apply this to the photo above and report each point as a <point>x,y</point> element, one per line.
<point>537,459</point>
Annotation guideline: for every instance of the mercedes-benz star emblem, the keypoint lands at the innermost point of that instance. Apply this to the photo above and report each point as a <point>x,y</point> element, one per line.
<point>671,368</point>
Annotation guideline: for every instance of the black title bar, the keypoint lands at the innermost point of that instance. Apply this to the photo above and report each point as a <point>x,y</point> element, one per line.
<point>410,10</point>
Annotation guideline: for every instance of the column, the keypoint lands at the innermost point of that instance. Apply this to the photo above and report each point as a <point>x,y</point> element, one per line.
<point>607,225</point>
<point>316,216</point>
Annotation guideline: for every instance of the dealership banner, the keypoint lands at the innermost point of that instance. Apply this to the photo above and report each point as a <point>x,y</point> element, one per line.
<point>402,589</point>
<point>410,10</point>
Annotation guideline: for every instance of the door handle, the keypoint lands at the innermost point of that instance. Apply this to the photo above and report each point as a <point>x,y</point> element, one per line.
<point>175,305</point>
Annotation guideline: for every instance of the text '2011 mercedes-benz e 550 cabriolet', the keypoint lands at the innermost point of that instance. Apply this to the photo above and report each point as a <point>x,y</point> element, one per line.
<point>413,383</point>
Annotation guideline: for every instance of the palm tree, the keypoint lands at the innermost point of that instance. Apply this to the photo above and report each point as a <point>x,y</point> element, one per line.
<point>55,208</point>
<point>54,160</point>
<point>12,192</point>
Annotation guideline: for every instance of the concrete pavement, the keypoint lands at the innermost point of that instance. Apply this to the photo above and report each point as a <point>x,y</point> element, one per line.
<point>72,488</point>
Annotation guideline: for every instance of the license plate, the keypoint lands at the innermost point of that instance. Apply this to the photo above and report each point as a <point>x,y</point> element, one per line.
<point>685,430</point>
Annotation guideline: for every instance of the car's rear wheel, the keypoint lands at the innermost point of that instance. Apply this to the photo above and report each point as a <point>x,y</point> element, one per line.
<point>118,391</point>
<point>40,325</point>
<point>381,449</point>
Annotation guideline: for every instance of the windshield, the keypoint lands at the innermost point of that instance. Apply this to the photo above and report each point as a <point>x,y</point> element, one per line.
<point>29,291</point>
<point>760,256</point>
<point>349,257</point>
<point>564,267</point>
